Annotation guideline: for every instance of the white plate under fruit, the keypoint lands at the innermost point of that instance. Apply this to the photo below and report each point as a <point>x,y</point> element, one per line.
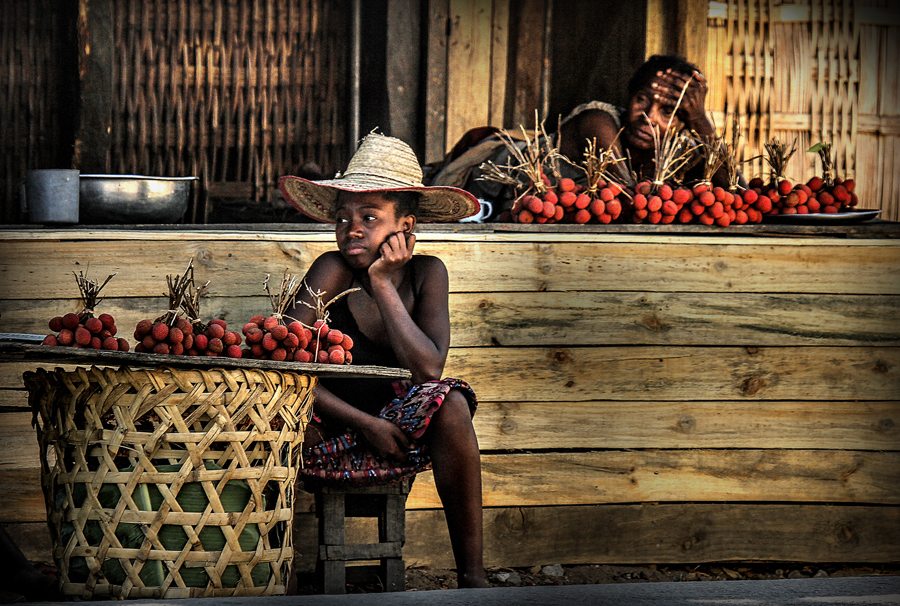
<point>843,218</point>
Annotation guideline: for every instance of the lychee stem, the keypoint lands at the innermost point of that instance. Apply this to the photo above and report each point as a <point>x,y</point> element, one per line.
<point>90,292</point>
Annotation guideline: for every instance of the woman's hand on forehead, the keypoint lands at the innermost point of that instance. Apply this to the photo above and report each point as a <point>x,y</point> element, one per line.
<point>668,86</point>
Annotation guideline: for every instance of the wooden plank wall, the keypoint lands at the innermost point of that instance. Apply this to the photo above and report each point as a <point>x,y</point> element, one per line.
<point>813,71</point>
<point>466,70</point>
<point>643,399</point>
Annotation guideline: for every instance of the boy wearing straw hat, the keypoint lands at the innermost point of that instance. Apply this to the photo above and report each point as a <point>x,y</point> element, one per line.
<point>375,431</point>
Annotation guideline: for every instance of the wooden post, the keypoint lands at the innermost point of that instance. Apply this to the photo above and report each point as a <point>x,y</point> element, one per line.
<point>95,64</point>
<point>691,31</point>
<point>527,34</point>
<point>678,26</point>
<point>659,32</point>
<point>436,80</point>
<point>402,57</point>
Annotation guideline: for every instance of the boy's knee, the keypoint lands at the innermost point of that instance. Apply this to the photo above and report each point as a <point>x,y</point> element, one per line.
<point>455,408</point>
<point>457,399</point>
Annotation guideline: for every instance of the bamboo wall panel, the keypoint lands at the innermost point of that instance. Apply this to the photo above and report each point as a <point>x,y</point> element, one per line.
<point>817,71</point>
<point>33,109</point>
<point>229,91</point>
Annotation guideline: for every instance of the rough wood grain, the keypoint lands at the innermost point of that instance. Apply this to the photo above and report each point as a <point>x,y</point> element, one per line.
<point>13,400</point>
<point>599,477</point>
<point>679,373</point>
<point>644,318</point>
<point>436,85</point>
<point>468,67</point>
<point>32,270</point>
<point>655,373</point>
<point>518,426</point>
<point>666,533</point>
<point>21,499</point>
<point>575,318</point>
<point>18,442</point>
<point>96,48</point>
<point>586,478</point>
<point>736,424</point>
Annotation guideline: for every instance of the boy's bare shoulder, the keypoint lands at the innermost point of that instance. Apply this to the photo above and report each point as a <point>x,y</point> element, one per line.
<point>330,267</point>
<point>429,263</point>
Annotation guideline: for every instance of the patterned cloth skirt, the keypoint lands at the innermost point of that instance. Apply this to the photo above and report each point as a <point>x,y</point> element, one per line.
<point>346,459</point>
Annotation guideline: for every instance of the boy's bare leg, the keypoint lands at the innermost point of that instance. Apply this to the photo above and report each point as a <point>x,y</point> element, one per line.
<point>457,477</point>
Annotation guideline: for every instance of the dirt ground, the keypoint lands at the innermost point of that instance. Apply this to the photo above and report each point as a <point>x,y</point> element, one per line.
<point>423,578</point>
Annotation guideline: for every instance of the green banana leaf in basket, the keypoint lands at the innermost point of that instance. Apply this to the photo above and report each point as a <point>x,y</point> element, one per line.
<point>192,498</point>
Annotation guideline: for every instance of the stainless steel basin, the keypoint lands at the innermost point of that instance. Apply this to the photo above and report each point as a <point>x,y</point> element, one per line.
<point>132,198</point>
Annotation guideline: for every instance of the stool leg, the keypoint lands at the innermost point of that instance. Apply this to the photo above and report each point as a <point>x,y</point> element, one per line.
<point>332,573</point>
<point>392,523</point>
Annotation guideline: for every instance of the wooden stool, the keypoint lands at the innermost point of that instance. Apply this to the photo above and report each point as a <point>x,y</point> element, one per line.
<point>388,504</point>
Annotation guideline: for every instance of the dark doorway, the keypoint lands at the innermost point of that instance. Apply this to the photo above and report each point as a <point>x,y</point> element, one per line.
<point>596,46</point>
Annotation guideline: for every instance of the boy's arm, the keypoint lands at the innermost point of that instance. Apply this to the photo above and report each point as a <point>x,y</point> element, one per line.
<point>329,273</point>
<point>421,344</point>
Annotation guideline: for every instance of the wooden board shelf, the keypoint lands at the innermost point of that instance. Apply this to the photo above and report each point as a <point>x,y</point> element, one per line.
<point>646,394</point>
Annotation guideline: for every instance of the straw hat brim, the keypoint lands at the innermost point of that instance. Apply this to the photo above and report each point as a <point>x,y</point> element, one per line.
<point>317,199</point>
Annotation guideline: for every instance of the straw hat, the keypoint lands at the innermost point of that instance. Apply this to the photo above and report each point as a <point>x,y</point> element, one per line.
<point>380,164</point>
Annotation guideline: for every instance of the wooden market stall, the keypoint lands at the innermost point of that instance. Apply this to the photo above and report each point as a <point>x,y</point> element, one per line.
<point>238,97</point>
<point>648,395</point>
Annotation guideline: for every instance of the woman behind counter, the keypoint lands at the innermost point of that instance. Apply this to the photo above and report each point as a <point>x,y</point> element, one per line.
<point>653,94</point>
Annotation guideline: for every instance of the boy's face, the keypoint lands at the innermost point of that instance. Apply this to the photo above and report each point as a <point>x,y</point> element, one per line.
<point>363,222</point>
<point>638,131</point>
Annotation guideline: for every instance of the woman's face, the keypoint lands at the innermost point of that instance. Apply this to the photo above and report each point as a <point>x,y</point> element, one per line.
<point>363,222</point>
<point>644,112</point>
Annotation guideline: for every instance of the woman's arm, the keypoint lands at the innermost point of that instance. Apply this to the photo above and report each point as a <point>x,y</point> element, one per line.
<point>588,125</point>
<point>692,111</point>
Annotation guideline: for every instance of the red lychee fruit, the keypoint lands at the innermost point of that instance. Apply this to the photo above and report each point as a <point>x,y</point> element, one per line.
<point>82,336</point>
<point>160,331</point>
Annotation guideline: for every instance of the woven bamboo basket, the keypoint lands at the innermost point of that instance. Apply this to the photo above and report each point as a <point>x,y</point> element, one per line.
<point>170,483</point>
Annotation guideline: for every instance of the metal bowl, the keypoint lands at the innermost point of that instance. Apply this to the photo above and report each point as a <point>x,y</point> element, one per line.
<point>132,198</point>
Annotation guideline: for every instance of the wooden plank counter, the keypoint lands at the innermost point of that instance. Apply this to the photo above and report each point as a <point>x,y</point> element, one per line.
<point>648,394</point>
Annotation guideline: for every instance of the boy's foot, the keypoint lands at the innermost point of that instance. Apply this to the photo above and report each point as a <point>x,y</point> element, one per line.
<point>473,581</point>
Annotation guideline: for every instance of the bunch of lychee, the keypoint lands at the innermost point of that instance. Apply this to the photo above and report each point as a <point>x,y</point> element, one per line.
<point>179,338</point>
<point>701,203</point>
<point>86,331</point>
<point>814,196</point>
<point>269,338</point>
<point>569,202</point>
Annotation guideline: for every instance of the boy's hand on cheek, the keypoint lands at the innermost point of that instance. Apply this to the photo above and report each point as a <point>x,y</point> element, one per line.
<point>396,252</point>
